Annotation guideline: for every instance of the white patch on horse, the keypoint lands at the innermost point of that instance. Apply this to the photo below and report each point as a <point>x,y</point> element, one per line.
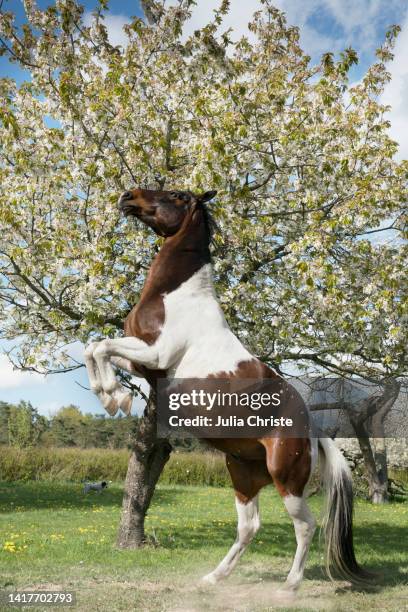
<point>248,525</point>
<point>305,525</point>
<point>195,321</point>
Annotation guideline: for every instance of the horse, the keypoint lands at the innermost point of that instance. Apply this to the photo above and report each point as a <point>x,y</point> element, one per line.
<point>178,329</point>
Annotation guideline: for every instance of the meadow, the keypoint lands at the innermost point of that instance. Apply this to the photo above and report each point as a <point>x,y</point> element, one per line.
<point>52,536</point>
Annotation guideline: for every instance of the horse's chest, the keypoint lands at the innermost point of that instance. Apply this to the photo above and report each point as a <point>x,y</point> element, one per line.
<point>145,320</point>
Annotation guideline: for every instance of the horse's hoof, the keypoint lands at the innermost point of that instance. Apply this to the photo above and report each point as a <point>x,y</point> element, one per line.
<point>111,406</point>
<point>125,403</point>
<point>209,579</point>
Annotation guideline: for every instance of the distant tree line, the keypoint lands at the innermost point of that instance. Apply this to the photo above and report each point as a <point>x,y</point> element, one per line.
<point>22,426</point>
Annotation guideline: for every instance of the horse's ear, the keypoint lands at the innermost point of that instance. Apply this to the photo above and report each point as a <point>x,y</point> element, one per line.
<point>207,196</point>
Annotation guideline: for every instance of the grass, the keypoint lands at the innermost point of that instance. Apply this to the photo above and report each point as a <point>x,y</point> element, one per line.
<point>53,536</point>
<point>75,464</point>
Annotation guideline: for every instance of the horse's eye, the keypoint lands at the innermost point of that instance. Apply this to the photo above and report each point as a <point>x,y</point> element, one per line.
<point>174,194</point>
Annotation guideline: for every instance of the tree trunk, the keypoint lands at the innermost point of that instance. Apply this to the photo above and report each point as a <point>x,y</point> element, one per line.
<point>148,458</point>
<point>380,444</point>
<point>377,408</point>
<point>377,487</point>
<point>380,458</point>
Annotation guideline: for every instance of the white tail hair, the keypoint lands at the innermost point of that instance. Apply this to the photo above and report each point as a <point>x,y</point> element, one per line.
<point>337,524</point>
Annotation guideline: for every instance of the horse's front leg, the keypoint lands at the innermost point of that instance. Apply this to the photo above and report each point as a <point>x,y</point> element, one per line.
<point>248,478</point>
<point>124,352</point>
<point>127,365</point>
<point>248,525</point>
<point>124,399</point>
<point>108,402</point>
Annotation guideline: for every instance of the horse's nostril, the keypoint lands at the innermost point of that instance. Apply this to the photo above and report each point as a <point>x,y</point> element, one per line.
<point>126,195</point>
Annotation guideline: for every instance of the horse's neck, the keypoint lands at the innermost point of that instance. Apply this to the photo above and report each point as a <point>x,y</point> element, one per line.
<point>179,260</point>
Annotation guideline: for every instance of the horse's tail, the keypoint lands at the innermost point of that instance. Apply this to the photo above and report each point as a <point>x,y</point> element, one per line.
<point>338,520</point>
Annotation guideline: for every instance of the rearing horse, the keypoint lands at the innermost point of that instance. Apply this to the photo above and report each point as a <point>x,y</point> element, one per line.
<point>179,329</point>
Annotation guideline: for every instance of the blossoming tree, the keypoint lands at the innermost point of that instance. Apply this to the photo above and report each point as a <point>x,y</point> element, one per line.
<point>309,258</point>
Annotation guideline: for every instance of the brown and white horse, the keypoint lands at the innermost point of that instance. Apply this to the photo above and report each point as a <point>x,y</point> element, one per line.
<point>178,328</point>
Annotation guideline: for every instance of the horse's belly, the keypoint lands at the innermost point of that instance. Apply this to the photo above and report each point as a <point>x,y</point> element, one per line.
<point>247,449</point>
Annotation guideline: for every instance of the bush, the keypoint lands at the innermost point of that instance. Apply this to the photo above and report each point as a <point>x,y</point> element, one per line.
<point>96,464</point>
<point>205,468</point>
<point>62,464</point>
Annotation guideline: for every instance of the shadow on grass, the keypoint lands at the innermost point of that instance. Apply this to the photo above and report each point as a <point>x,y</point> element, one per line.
<point>37,495</point>
<point>278,540</point>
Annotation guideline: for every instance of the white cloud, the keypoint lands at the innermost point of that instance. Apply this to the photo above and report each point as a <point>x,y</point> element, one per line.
<point>396,92</point>
<point>11,378</point>
<point>238,17</point>
<point>350,14</point>
<point>114,25</point>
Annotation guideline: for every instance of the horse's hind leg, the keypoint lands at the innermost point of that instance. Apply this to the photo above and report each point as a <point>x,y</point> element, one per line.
<point>247,483</point>
<point>290,463</point>
<point>305,526</point>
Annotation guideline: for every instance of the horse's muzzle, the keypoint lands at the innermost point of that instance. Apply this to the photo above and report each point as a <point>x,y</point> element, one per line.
<point>129,209</point>
<point>125,205</point>
<point>125,196</point>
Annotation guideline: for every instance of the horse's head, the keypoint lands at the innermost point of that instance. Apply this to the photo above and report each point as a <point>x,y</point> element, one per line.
<point>163,211</point>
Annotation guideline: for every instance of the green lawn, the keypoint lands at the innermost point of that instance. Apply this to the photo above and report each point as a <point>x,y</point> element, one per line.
<point>52,536</point>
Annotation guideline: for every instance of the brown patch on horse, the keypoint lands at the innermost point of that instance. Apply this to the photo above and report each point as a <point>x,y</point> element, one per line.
<point>286,460</point>
<point>248,477</point>
<point>243,449</point>
<point>289,463</point>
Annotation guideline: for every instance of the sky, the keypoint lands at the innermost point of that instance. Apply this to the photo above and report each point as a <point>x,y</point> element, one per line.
<point>325,25</point>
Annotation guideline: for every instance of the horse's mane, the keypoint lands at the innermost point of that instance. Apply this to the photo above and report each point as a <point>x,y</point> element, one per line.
<point>210,223</point>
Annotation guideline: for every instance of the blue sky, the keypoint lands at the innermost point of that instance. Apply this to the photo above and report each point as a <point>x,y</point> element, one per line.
<point>326,25</point>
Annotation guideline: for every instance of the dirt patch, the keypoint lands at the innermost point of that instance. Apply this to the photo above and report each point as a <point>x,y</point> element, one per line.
<point>233,596</point>
<point>237,594</point>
